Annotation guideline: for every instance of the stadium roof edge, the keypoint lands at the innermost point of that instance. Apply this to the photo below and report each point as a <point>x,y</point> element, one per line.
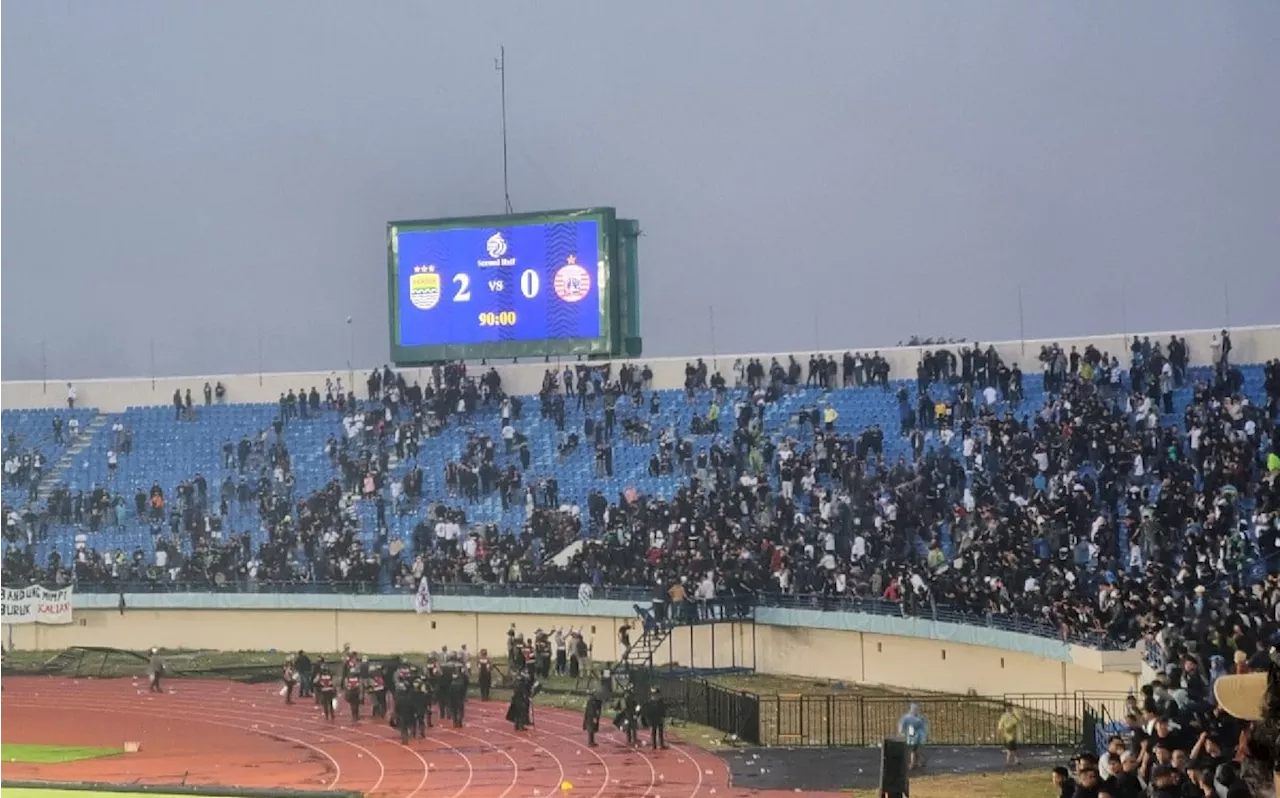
<point>1030,345</point>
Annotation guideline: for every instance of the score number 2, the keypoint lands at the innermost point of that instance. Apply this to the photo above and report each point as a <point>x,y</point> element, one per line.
<point>530,285</point>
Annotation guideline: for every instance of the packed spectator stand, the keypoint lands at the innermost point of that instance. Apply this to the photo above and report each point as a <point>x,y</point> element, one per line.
<point>1101,497</point>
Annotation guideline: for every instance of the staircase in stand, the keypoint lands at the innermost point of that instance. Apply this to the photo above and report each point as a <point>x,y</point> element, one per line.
<point>640,656</point>
<point>68,459</point>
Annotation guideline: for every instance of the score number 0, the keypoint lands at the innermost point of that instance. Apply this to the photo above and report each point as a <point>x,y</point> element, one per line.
<point>530,284</point>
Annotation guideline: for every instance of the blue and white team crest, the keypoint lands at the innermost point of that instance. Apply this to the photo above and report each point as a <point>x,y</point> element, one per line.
<point>424,287</point>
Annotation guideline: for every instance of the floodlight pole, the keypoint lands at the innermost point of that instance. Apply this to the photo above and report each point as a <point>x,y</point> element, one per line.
<point>500,64</point>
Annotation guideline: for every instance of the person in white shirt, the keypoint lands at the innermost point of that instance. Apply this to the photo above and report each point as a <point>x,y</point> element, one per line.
<point>704,595</point>
<point>71,396</point>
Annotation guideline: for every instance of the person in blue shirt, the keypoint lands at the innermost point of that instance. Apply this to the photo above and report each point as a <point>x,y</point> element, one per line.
<point>914,728</point>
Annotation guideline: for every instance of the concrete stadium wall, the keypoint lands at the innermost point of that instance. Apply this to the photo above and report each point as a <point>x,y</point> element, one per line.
<point>1251,345</point>
<point>853,657</point>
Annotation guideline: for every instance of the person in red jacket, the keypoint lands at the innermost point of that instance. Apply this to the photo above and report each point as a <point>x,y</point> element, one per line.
<point>327,691</point>
<point>354,694</point>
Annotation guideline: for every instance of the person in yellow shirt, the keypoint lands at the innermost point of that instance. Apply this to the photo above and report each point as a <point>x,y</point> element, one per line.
<point>1008,728</point>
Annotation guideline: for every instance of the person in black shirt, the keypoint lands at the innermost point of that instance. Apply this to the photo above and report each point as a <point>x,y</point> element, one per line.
<point>1063,783</point>
<point>303,664</point>
<point>457,698</point>
<point>591,718</point>
<point>403,719</point>
<point>1167,735</point>
<point>484,676</point>
<point>1122,780</point>
<point>628,716</point>
<point>655,717</point>
<point>521,698</point>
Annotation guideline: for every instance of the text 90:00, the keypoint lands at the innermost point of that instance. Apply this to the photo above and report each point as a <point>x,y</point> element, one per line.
<point>506,318</point>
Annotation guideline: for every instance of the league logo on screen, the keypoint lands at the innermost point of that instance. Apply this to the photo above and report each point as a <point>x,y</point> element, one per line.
<point>497,248</point>
<point>572,282</point>
<point>424,287</point>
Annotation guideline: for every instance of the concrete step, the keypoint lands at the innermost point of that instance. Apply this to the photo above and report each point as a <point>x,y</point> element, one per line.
<point>68,459</point>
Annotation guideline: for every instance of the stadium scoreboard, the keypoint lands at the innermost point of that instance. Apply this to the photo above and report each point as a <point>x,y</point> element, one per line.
<point>554,283</point>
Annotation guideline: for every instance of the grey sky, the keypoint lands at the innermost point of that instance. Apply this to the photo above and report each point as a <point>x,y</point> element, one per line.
<point>212,175</point>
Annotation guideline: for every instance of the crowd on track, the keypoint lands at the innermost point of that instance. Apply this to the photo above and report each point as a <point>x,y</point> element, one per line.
<point>1133,501</point>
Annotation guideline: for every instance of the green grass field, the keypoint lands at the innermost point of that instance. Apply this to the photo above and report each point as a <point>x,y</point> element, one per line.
<point>1031,784</point>
<point>52,754</point>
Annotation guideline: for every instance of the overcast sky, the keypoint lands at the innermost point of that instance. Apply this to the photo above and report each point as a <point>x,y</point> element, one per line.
<point>215,177</point>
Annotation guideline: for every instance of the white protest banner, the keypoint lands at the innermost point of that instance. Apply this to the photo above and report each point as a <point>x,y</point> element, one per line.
<point>35,604</point>
<point>422,601</point>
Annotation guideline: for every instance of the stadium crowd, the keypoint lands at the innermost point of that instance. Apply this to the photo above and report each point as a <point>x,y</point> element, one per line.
<point>1101,514</point>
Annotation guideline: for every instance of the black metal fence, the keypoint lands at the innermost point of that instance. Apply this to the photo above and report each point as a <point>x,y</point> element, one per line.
<point>865,720</point>
<point>852,720</point>
<point>695,700</point>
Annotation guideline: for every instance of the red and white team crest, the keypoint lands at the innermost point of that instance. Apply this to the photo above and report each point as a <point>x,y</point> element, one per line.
<point>572,282</point>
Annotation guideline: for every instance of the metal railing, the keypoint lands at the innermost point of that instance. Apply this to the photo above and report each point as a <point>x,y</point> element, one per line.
<point>836,720</point>
<point>865,720</point>
<point>627,593</point>
<point>368,588</point>
<point>1007,623</point>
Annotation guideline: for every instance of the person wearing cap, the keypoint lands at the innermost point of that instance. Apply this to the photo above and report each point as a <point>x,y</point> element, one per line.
<point>628,715</point>
<point>1255,698</point>
<point>155,669</point>
<point>457,695</point>
<point>654,713</point>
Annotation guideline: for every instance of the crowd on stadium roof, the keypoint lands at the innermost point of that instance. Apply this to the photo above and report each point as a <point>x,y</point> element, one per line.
<point>1100,514</point>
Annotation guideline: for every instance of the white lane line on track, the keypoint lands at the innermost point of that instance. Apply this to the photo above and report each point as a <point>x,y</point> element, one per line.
<point>548,716</point>
<point>253,712</point>
<point>141,711</point>
<point>203,710</point>
<point>697,788</point>
<point>426,769</point>
<point>653,774</point>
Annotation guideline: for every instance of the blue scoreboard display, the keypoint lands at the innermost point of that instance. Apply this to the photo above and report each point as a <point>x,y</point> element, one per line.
<point>507,286</point>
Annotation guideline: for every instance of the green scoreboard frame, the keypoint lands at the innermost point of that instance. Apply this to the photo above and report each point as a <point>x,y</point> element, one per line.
<point>619,314</point>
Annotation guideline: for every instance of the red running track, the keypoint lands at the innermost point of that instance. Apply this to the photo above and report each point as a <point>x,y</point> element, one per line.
<point>228,734</point>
